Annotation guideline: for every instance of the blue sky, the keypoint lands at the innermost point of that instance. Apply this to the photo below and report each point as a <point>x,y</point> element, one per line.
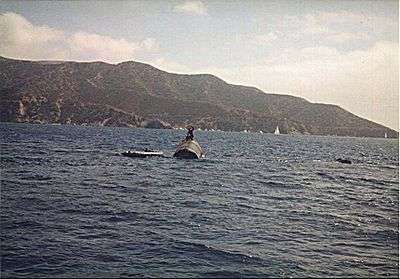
<point>340,52</point>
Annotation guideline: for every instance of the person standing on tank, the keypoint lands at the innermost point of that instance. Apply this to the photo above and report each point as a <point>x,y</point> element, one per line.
<point>189,135</point>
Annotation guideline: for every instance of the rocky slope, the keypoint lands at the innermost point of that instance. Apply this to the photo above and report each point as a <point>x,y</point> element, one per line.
<point>138,95</point>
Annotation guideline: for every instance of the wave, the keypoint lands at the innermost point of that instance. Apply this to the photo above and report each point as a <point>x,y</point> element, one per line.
<point>249,209</point>
<point>214,253</point>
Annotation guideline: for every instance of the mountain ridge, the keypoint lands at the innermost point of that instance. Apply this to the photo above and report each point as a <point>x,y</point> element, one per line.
<point>131,93</point>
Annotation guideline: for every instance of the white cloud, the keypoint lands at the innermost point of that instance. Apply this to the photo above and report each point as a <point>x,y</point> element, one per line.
<point>335,27</point>
<point>85,46</point>
<point>265,39</point>
<point>171,66</point>
<point>150,44</point>
<point>21,39</point>
<point>351,18</point>
<point>191,7</point>
<point>313,25</point>
<point>341,37</point>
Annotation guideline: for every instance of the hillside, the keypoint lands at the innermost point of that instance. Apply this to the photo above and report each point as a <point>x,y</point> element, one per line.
<point>131,93</point>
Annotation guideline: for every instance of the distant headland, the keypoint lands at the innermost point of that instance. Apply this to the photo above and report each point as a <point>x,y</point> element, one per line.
<point>133,94</point>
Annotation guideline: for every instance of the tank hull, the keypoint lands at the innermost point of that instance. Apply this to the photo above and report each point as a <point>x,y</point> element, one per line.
<point>188,149</point>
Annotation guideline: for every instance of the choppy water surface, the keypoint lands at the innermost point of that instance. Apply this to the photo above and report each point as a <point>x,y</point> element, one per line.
<point>258,205</point>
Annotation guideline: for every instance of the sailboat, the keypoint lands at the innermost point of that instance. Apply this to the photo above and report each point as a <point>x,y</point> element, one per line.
<point>385,135</point>
<point>277,131</point>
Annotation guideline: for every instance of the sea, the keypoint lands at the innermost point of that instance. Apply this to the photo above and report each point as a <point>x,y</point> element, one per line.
<point>257,205</point>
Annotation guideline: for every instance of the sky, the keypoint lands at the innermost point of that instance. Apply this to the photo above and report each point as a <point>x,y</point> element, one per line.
<point>333,52</point>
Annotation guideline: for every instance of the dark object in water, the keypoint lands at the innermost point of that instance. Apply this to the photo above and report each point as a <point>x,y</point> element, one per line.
<point>343,161</point>
<point>142,154</point>
<point>188,149</point>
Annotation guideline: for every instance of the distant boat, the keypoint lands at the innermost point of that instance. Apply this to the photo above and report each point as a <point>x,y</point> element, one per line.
<point>385,135</point>
<point>277,131</point>
<point>261,132</point>
<point>142,154</point>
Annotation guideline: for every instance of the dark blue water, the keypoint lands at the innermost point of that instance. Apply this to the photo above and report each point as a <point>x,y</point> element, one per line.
<point>258,205</point>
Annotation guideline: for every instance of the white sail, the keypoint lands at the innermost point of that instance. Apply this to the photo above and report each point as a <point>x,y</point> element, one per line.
<point>277,131</point>
<point>385,135</point>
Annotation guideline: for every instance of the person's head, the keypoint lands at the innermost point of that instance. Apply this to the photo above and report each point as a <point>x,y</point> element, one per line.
<point>190,128</point>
